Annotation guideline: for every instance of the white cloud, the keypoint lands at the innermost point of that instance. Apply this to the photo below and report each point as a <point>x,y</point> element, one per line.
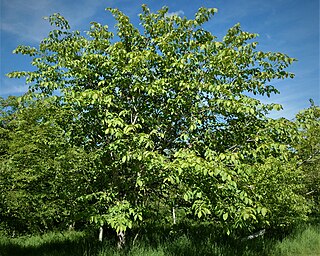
<point>177,13</point>
<point>12,87</point>
<point>24,19</point>
<point>292,98</point>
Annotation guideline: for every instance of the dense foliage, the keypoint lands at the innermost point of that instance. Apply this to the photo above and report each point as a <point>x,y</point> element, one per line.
<point>155,125</point>
<point>308,149</point>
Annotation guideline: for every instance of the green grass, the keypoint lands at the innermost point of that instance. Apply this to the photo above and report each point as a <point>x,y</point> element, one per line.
<point>301,242</point>
<point>51,244</point>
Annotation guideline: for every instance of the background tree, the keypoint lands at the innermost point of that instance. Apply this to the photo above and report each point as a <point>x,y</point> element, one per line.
<point>308,149</point>
<point>41,175</point>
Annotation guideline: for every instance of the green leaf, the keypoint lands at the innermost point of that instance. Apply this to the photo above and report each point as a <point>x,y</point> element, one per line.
<point>264,211</point>
<point>225,216</point>
<point>246,216</point>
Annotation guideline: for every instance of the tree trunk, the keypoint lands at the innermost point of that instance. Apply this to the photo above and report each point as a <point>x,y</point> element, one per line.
<point>174,215</point>
<point>121,239</point>
<point>100,234</point>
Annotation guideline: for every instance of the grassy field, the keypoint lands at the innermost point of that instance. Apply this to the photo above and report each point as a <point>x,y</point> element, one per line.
<point>304,241</point>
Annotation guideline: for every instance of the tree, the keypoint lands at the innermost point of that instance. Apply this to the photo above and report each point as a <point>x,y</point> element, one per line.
<point>169,113</point>
<point>308,150</point>
<point>41,174</point>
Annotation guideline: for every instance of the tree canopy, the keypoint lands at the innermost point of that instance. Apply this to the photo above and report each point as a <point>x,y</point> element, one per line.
<point>122,129</point>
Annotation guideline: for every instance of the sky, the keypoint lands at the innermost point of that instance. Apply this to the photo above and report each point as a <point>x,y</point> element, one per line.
<point>286,26</point>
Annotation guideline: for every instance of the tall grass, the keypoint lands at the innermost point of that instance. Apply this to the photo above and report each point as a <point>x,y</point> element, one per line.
<point>301,242</point>
<point>50,244</point>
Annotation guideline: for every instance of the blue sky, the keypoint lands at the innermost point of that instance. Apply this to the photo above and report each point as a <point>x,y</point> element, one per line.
<point>287,26</point>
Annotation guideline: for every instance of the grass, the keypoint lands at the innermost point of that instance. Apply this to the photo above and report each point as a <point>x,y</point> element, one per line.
<point>301,242</point>
<point>50,244</point>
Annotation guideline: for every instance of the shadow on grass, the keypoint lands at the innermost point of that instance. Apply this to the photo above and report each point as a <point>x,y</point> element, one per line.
<point>187,240</point>
<point>160,241</point>
<point>51,244</point>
